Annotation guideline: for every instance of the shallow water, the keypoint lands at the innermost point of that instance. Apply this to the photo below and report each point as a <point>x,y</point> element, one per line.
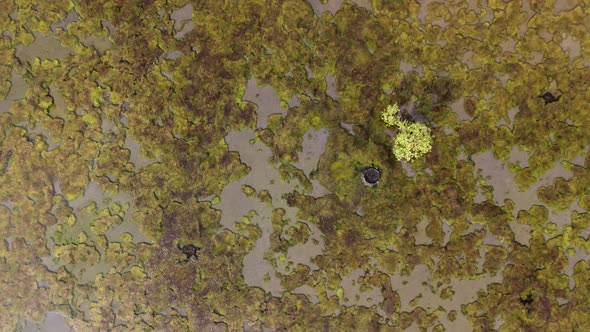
<point>129,131</point>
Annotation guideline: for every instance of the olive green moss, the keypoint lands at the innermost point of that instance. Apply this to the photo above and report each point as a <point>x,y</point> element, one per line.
<point>86,103</point>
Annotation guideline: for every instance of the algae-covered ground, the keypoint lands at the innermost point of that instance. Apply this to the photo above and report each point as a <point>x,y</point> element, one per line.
<point>136,131</point>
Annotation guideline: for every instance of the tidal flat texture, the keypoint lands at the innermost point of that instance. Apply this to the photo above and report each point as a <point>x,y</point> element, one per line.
<point>178,165</point>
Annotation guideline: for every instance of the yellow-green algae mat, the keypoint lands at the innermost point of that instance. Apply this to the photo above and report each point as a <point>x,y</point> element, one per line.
<point>114,151</point>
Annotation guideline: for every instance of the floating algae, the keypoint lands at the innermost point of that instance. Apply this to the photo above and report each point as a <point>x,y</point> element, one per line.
<point>132,130</point>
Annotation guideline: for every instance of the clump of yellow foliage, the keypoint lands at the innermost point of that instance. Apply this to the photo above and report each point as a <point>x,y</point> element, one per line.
<point>413,140</point>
